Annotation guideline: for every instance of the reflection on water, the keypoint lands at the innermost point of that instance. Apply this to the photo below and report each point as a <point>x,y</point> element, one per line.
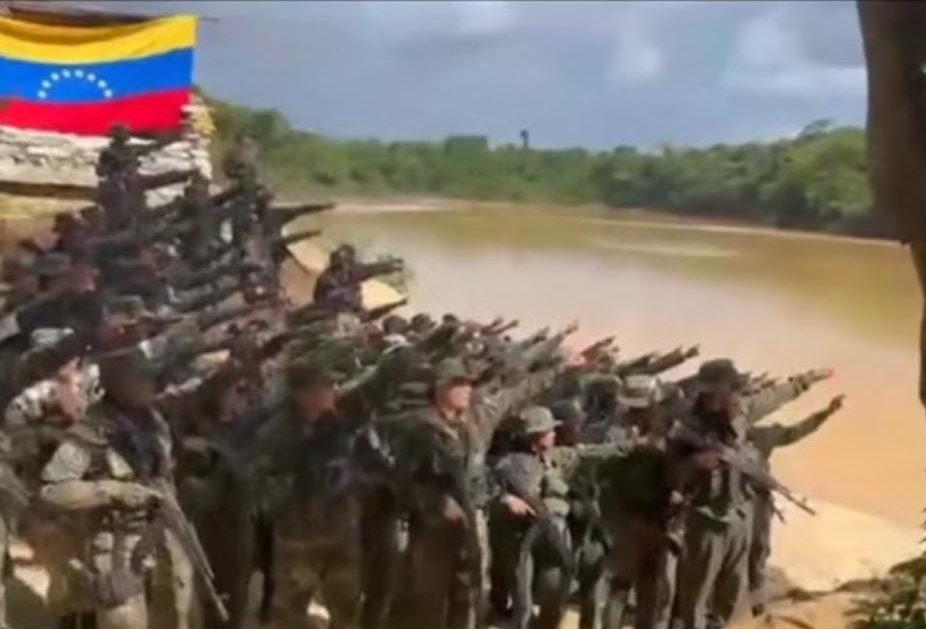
<point>773,301</point>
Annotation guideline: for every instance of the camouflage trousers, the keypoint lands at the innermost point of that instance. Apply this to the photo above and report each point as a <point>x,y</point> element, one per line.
<point>712,575</point>
<point>385,538</point>
<point>158,599</point>
<point>306,569</point>
<point>439,587</point>
<point>640,561</point>
<point>592,579</point>
<point>523,578</point>
<point>760,547</point>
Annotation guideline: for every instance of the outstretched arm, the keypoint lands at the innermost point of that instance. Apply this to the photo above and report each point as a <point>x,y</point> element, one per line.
<point>809,425</point>
<point>770,399</point>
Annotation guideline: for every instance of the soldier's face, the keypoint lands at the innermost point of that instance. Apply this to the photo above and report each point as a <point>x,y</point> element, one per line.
<point>719,401</point>
<point>456,395</point>
<point>545,441</point>
<point>315,401</point>
<point>69,373</point>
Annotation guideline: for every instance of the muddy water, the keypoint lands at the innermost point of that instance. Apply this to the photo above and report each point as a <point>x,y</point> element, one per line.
<point>773,301</point>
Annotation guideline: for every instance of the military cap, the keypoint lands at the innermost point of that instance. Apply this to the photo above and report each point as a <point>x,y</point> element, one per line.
<point>52,264</point>
<point>451,370</point>
<point>720,374</point>
<point>536,419</point>
<point>641,391</point>
<point>306,374</point>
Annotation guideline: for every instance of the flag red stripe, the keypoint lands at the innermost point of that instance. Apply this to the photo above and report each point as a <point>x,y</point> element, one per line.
<point>159,111</point>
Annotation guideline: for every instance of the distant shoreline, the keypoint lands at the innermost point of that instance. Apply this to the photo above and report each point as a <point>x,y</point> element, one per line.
<point>635,217</point>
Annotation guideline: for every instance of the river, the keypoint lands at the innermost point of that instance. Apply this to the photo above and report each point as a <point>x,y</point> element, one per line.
<point>773,301</point>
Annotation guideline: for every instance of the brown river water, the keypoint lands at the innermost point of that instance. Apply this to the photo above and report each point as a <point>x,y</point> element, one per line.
<point>774,301</point>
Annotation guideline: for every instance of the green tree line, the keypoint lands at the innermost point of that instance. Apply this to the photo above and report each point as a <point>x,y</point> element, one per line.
<point>817,180</point>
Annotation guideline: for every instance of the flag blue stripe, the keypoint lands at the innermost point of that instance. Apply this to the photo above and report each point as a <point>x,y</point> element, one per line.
<point>95,82</point>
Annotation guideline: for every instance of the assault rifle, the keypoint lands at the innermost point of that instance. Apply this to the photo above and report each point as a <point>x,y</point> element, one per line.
<point>172,518</point>
<point>736,460</point>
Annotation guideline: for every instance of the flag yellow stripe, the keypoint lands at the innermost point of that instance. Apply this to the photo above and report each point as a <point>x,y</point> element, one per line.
<point>48,43</point>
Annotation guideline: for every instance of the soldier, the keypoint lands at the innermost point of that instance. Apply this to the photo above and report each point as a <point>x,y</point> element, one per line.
<point>58,382</point>
<point>339,285</point>
<point>766,440</point>
<point>240,161</point>
<point>310,450</point>
<point>639,504</point>
<point>445,569</point>
<point>712,575</point>
<point>104,473</point>
<point>532,568</point>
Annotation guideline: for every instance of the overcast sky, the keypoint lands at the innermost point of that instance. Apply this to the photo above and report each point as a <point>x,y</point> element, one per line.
<point>594,74</point>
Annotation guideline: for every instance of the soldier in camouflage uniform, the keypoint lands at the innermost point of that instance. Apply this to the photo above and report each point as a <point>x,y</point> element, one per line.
<point>766,439</point>
<point>532,572</point>
<point>638,505</point>
<point>101,474</point>
<point>442,577</point>
<point>339,285</point>
<point>309,451</point>
<point>713,573</point>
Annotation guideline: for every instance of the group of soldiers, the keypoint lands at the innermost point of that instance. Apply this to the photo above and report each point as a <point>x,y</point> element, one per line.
<point>175,426</point>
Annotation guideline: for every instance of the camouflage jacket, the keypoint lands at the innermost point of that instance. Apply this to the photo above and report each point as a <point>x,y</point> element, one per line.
<point>465,439</point>
<point>111,455</point>
<point>552,476</point>
<point>724,494</point>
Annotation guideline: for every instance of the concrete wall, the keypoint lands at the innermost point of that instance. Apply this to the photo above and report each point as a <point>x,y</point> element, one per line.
<point>37,163</point>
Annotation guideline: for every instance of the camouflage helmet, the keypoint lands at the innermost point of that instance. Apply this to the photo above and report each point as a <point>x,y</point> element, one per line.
<point>421,322</point>
<point>451,370</point>
<point>641,391</point>
<point>394,324</point>
<point>119,132</point>
<point>343,254</point>
<point>720,374</point>
<point>534,420</point>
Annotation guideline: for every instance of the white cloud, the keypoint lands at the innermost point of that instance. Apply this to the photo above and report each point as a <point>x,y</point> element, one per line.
<point>484,17</point>
<point>412,22</point>
<point>640,53</point>
<point>638,57</point>
<point>768,58</point>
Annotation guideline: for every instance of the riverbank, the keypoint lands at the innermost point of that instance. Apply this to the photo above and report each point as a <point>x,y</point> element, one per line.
<point>640,217</point>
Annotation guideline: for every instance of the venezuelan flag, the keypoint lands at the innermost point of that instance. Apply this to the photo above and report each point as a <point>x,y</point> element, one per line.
<point>85,80</point>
